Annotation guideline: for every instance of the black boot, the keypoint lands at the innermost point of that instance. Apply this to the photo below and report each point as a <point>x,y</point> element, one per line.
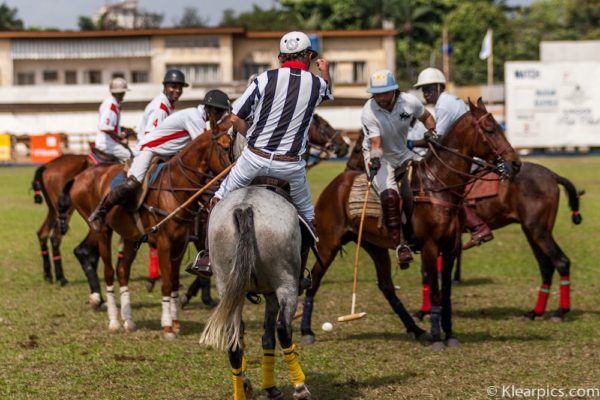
<point>392,219</point>
<point>118,195</point>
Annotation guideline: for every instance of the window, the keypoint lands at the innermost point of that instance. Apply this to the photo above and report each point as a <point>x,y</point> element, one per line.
<point>139,76</point>
<point>25,78</point>
<point>182,42</point>
<point>94,76</point>
<point>70,77</point>
<point>359,72</point>
<point>118,75</point>
<point>252,68</point>
<point>199,73</point>
<point>50,76</point>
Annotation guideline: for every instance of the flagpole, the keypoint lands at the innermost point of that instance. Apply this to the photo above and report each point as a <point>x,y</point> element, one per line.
<point>490,64</point>
<point>445,55</point>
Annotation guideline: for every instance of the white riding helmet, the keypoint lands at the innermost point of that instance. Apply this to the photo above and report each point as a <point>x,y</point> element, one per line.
<point>295,42</point>
<point>382,81</point>
<point>430,76</point>
<point>118,85</point>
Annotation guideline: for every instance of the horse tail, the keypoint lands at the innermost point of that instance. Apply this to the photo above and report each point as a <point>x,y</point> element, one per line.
<point>573,195</point>
<point>223,328</point>
<point>38,185</point>
<point>64,204</point>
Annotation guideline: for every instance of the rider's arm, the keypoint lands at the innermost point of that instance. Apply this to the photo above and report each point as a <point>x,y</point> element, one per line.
<point>239,124</point>
<point>429,122</point>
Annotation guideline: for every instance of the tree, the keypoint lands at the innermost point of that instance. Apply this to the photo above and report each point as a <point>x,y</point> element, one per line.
<point>86,24</point>
<point>260,19</point>
<point>9,20</point>
<point>191,19</point>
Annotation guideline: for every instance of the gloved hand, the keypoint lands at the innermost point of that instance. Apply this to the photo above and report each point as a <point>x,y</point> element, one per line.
<point>430,134</point>
<point>374,165</point>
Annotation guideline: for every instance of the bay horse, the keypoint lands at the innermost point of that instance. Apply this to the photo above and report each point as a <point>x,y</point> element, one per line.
<point>254,243</point>
<point>47,184</point>
<point>531,199</point>
<point>438,183</point>
<point>321,136</point>
<point>180,177</point>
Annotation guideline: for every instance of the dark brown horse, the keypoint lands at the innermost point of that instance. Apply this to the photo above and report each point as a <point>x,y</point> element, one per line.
<point>47,184</point>
<point>531,199</point>
<point>438,183</point>
<point>186,172</point>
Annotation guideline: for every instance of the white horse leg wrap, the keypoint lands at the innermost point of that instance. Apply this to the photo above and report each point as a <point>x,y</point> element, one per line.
<point>94,299</point>
<point>175,305</point>
<point>125,304</point>
<point>113,311</point>
<point>165,319</point>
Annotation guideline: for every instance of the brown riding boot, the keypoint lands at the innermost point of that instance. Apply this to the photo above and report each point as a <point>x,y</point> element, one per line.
<point>118,195</point>
<point>480,231</point>
<point>392,218</point>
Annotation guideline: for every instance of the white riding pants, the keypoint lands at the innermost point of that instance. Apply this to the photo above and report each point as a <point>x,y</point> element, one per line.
<point>108,145</point>
<point>384,179</point>
<point>251,165</point>
<point>140,164</point>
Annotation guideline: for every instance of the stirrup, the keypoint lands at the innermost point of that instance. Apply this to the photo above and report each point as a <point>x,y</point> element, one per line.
<point>404,256</point>
<point>478,240</point>
<point>201,265</point>
<point>97,219</point>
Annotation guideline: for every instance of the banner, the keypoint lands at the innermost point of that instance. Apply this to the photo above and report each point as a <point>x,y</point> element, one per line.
<point>44,148</point>
<point>552,104</point>
<point>5,154</point>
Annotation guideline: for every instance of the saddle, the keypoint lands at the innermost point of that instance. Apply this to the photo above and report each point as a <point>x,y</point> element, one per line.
<point>99,157</point>
<point>487,186</point>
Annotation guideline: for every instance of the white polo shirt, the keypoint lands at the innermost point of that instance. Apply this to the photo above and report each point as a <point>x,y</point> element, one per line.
<point>448,109</point>
<point>392,126</point>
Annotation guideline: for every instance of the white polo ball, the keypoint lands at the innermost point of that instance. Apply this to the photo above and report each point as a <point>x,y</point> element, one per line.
<point>327,326</point>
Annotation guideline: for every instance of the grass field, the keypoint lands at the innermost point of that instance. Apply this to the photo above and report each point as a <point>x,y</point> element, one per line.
<point>52,346</point>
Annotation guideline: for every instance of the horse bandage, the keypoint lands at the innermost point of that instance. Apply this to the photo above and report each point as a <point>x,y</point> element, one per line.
<point>268,369</point>
<point>237,376</point>
<point>291,359</point>
<point>542,300</point>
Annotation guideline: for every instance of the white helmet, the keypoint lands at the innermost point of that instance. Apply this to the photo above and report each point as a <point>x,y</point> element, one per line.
<point>429,76</point>
<point>118,85</point>
<point>295,42</point>
<point>382,81</point>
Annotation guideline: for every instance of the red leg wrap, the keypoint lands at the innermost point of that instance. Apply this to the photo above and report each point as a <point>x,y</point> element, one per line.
<point>426,305</point>
<point>439,264</point>
<point>120,255</point>
<point>153,270</point>
<point>542,300</point>
<point>565,293</point>
<point>56,258</point>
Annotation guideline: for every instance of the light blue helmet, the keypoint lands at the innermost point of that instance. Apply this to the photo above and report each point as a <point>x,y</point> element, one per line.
<point>382,81</point>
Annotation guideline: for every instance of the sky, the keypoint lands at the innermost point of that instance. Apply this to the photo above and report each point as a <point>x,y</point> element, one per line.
<point>64,14</point>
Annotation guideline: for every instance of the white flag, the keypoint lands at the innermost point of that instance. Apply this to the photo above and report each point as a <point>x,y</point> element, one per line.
<point>486,46</point>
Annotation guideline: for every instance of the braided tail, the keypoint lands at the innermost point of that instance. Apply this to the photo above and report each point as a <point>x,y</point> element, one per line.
<point>64,205</point>
<point>573,198</point>
<point>38,185</point>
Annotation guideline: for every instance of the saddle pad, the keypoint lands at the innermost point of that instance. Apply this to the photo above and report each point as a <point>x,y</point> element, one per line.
<point>154,170</point>
<point>99,157</point>
<point>117,180</point>
<point>357,198</point>
<point>488,186</point>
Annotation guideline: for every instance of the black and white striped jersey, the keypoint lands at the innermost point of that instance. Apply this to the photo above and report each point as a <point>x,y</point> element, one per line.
<point>282,102</point>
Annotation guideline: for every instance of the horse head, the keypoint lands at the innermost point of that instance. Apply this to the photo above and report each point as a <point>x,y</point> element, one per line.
<point>489,142</point>
<point>321,134</point>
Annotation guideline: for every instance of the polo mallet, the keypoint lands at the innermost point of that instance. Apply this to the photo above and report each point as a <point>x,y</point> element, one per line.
<point>352,316</point>
<point>156,227</point>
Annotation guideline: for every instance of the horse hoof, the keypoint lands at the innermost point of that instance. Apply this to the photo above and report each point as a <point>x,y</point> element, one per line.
<point>438,346</point>
<point>149,284</point>
<point>184,301</point>
<point>209,302</point>
<point>168,333</point>
<point>129,326</point>
<point>420,315</point>
<point>102,307</point>
<point>301,392</point>
<point>176,327</point>
<point>424,337</point>
<point>452,342</point>
<point>248,391</point>
<point>274,393</point>
<point>94,300</point>
<point>114,326</point>
<point>64,282</point>
<point>531,316</point>
<point>308,339</point>
<point>48,278</point>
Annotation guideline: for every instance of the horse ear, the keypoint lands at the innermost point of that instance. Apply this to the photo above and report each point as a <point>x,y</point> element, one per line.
<point>480,104</point>
<point>472,106</point>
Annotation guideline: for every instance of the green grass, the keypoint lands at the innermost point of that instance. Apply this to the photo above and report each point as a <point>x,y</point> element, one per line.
<point>52,346</point>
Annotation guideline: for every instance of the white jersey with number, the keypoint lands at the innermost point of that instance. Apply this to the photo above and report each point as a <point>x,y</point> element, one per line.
<point>448,109</point>
<point>154,113</point>
<point>109,127</point>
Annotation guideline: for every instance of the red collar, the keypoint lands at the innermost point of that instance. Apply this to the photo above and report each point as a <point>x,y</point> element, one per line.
<point>295,64</point>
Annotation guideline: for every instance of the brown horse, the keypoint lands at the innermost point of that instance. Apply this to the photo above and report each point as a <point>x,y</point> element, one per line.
<point>438,182</point>
<point>531,199</point>
<point>47,183</point>
<point>187,171</point>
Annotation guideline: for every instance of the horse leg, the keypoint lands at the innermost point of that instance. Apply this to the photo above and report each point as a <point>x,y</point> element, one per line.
<point>563,266</point>
<point>535,237</point>
<point>446,315</point>
<point>268,345</point>
<point>432,264</point>
<point>288,301</point>
<point>236,358</point>
<point>426,296</point>
<point>153,270</point>
<point>175,305</point>
<point>164,262</point>
<point>328,249</point>
<point>383,266</point>
<point>88,255</point>
<point>43,233</point>
<point>104,246</point>
<point>125,259</point>
<point>55,239</point>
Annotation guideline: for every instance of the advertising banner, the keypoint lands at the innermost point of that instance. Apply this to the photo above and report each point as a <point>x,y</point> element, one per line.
<point>44,148</point>
<point>5,154</point>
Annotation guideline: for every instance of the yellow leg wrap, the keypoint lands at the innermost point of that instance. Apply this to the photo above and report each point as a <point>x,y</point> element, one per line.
<point>291,359</point>
<point>268,369</point>
<point>238,384</point>
<point>244,365</point>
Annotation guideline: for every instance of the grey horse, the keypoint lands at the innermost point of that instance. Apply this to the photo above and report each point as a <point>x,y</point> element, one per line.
<point>254,242</point>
